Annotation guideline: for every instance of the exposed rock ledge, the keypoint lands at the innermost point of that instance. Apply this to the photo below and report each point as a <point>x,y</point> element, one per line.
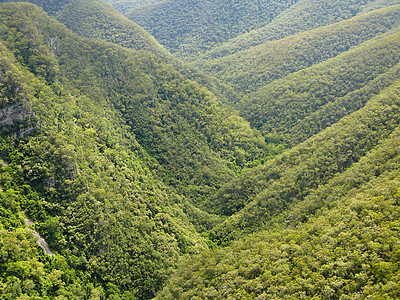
<point>17,114</point>
<point>41,241</point>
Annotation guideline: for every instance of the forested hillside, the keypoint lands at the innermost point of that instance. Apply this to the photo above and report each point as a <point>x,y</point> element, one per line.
<point>80,174</point>
<point>251,69</point>
<point>218,28</point>
<point>344,65</point>
<point>95,19</point>
<point>309,100</point>
<point>348,250</point>
<point>265,166</point>
<point>93,175</point>
<point>303,16</point>
<point>290,178</point>
<point>188,28</point>
<point>125,5</point>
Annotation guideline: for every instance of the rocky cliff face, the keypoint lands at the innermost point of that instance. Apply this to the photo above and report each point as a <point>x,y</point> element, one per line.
<point>17,120</point>
<point>16,116</point>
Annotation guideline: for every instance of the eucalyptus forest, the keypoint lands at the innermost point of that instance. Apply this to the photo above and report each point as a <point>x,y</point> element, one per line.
<point>213,149</point>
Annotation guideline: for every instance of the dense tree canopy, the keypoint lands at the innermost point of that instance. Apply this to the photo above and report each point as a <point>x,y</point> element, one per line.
<point>100,186</point>
<point>254,68</point>
<point>272,173</point>
<point>223,27</point>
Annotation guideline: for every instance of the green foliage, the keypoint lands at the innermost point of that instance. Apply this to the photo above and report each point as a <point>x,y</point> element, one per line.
<point>26,271</point>
<point>348,252</point>
<point>188,28</point>
<point>103,206</point>
<point>109,124</point>
<point>95,19</point>
<point>300,104</point>
<point>191,118</point>
<point>251,69</point>
<point>302,16</point>
<point>272,188</point>
<point>125,5</point>
<point>129,168</point>
<point>219,28</point>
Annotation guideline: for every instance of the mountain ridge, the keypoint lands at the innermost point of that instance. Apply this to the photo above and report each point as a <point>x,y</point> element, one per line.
<point>147,181</point>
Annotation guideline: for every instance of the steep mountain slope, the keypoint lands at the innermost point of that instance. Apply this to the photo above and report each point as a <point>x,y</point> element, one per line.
<point>129,169</point>
<point>331,205</point>
<point>300,17</point>
<point>302,103</point>
<point>187,28</point>
<point>378,4</point>
<point>171,113</point>
<point>97,127</point>
<point>80,174</point>
<point>251,69</point>
<point>95,19</point>
<point>289,179</point>
<point>349,251</point>
<point>125,5</point>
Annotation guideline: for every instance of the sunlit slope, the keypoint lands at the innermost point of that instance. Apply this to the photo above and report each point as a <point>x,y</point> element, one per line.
<point>125,5</point>
<point>188,28</point>
<point>249,70</point>
<point>219,28</point>
<point>172,117</point>
<point>301,104</point>
<point>109,139</point>
<point>79,173</point>
<point>95,19</point>
<point>347,250</point>
<point>264,192</point>
<point>302,16</point>
<point>126,165</point>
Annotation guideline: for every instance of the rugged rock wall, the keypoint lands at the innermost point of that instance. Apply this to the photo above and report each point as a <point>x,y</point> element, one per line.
<point>17,120</point>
